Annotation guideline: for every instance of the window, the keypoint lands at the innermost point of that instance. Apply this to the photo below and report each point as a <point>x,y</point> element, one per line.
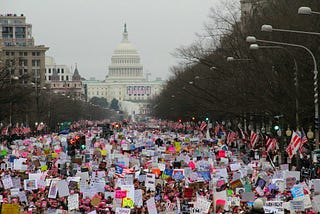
<point>49,71</point>
<point>36,63</point>
<point>62,70</point>
<point>58,70</point>
<point>62,78</point>
<point>67,78</point>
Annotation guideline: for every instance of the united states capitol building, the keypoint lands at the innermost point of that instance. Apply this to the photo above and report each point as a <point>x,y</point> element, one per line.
<point>125,81</point>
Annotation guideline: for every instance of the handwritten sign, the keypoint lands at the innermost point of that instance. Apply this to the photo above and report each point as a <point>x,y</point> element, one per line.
<point>120,194</point>
<point>122,210</point>
<point>151,205</point>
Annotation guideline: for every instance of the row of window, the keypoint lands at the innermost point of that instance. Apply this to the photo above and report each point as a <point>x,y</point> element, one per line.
<point>53,69</point>
<point>22,53</point>
<point>61,78</point>
<point>66,85</point>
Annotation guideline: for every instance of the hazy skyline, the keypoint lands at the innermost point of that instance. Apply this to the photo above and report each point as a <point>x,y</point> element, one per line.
<point>87,32</point>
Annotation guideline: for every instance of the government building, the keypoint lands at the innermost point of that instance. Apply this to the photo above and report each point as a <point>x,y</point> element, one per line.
<point>125,81</point>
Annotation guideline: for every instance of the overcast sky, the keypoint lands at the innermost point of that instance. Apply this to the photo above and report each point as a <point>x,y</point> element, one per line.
<point>86,32</point>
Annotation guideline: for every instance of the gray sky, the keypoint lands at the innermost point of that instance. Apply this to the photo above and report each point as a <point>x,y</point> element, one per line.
<point>86,32</point>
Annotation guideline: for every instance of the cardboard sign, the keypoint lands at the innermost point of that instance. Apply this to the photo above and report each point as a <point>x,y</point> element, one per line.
<point>95,201</point>
<point>10,209</point>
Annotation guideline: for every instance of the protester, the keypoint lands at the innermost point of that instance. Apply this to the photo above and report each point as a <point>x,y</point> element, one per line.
<point>138,169</point>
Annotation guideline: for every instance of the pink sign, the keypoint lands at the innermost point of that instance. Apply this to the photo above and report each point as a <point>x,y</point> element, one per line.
<point>120,194</point>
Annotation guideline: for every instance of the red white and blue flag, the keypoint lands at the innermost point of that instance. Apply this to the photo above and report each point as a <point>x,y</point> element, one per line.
<point>254,139</point>
<point>270,143</point>
<point>294,144</point>
<point>304,140</point>
<point>231,137</point>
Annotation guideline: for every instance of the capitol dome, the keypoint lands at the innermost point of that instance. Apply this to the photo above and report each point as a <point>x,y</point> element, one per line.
<point>125,62</point>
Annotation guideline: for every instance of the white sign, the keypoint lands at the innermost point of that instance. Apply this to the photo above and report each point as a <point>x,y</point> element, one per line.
<point>73,202</point>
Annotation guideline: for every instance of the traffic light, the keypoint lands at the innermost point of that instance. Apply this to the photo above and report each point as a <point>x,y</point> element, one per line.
<point>193,118</point>
<point>207,119</point>
<point>82,142</point>
<point>179,120</point>
<point>276,127</point>
<point>71,147</point>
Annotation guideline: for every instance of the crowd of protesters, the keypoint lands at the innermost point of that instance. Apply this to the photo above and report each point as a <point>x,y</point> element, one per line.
<point>145,169</point>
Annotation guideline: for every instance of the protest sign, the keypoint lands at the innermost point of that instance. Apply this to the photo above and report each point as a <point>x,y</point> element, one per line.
<point>297,191</point>
<point>188,192</point>
<point>138,197</point>
<point>63,188</point>
<point>10,209</point>
<point>235,184</point>
<point>53,190</point>
<point>73,202</point>
<point>30,184</point>
<point>7,182</point>
<point>120,194</point>
<point>122,210</point>
<point>150,181</point>
<point>129,189</point>
<point>152,209</point>
<point>277,206</point>
<point>296,205</point>
<point>233,201</point>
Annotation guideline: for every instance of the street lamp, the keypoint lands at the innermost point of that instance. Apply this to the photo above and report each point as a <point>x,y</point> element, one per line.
<point>269,28</point>
<point>252,39</point>
<point>306,11</point>
<point>256,47</point>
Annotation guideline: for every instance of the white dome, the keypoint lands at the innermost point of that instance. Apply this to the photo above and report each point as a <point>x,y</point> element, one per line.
<point>125,62</point>
<point>124,48</point>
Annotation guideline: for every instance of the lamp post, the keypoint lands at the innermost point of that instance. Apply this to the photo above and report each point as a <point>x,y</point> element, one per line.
<point>307,11</point>
<point>296,82</point>
<point>269,28</point>
<point>232,59</point>
<point>252,39</point>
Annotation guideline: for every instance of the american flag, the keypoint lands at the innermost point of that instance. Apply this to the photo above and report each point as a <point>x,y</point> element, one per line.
<point>15,130</point>
<point>231,137</point>
<point>294,144</point>
<point>203,126</point>
<point>270,143</point>
<point>244,136</point>
<point>26,130</point>
<point>124,172</point>
<point>304,140</point>
<point>254,139</point>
